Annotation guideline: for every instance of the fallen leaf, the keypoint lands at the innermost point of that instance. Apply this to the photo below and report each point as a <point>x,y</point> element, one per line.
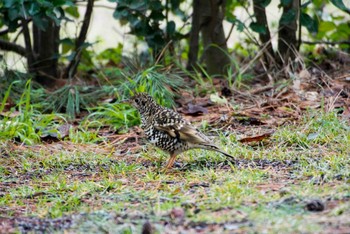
<point>256,138</point>
<point>312,96</point>
<point>10,114</point>
<point>304,74</point>
<point>312,136</point>
<point>346,113</point>
<point>195,110</point>
<point>64,130</point>
<point>217,99</point>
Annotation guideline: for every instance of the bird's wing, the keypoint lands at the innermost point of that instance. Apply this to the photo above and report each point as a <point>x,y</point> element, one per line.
<point>186,133</point>
<point>176,126</point>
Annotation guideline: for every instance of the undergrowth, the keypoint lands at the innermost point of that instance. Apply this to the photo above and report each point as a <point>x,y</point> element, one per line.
<point>266,186</point>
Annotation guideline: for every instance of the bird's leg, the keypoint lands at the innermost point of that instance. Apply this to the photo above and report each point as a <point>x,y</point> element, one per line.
<point>170,161</point>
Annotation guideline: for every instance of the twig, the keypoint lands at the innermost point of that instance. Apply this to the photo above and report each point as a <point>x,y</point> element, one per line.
<point>4,32</point>
<point>71,69</point>
<point>327,42</point>
<point>163,51</point>
<point>13,47</point>
<point>229,33</point>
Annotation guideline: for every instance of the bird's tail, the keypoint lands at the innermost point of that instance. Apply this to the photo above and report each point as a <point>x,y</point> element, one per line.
<point>217,149</point>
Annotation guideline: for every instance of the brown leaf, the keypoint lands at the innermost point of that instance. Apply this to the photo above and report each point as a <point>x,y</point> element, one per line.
<point>346,113</point>
<point>195,110</point>
<point>256,138</point>
<point>10,114</point>
<point>64,130</point>
<point>49,136</point>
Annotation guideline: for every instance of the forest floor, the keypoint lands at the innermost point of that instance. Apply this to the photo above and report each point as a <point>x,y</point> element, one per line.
<point>291,172</point>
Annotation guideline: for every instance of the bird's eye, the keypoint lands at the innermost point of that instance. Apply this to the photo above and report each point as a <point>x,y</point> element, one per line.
<point>137,101</point>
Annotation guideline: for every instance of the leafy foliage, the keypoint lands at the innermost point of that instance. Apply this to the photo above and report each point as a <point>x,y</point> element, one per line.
<point>22,123</point>
<point>71,99</point>
<point>16,82</point>
<point>340,4</point>
<point>323,25</point>
<point>13,11</point>
<point>309,23</point>
<point>145,19</point>
<point>118,116</point>
<point>158,81</point>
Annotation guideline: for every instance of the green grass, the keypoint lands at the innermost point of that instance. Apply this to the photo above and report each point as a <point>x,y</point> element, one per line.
<point>266,191</point>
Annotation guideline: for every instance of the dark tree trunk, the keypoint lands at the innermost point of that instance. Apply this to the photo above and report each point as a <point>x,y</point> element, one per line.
<point>207,18</point>
<point>79,43</point>
<point>287,31</point>
<point>214,40</point>
<point>46,44</point>
<point>194,36</point>
<point>265,38</point>
<point>28,46</point>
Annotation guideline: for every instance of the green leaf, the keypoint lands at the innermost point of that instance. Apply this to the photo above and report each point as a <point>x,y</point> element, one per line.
<point>9,3</point>
<point>58,3</point>
<point>262,3</point>
<point>308,22</point>
<point>156,5</point>
<point>217,99</point>
<point>46,4</point>
<point>288,17</point>
<point>342,32</point>
<point>13,13</point>
<point>34,8</point>
<point>304,5</point>
<point>73,11</point>
<point>120,13</point>
<point>175,4</point>
<point>54,17</point>
<point>326,26</point>
<point>285,2</point>
<point>170,28</point>
<point>40,22</point>
<point>340,5</point>
<point>258,28</point>
<point>67,45</point>
<point>138,5</point>
<point>239,24</point>
<point>157,15</point>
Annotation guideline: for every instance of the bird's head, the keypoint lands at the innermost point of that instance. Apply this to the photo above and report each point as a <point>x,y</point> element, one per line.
<point>142,102</point>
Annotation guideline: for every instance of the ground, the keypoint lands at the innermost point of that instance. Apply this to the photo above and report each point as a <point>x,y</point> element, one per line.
<point>291,172</point>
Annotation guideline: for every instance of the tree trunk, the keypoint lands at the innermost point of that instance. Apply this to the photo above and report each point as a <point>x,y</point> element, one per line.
<point>194,36</point>
<point>287,31</point>
<point>79,43</point>
<point>265,38</point>
<point>46,44</point>
<point>207,18</point>
<point>28,46</point>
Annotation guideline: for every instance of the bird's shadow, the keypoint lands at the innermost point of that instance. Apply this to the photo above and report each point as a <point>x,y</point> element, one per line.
<point>204,164</point>
<point>229,165</point>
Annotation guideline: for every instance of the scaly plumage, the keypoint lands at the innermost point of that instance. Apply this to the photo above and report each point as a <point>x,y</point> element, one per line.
<point>168,130</point>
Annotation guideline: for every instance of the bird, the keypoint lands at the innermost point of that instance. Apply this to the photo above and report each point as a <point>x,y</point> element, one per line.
<point>168,130</point>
